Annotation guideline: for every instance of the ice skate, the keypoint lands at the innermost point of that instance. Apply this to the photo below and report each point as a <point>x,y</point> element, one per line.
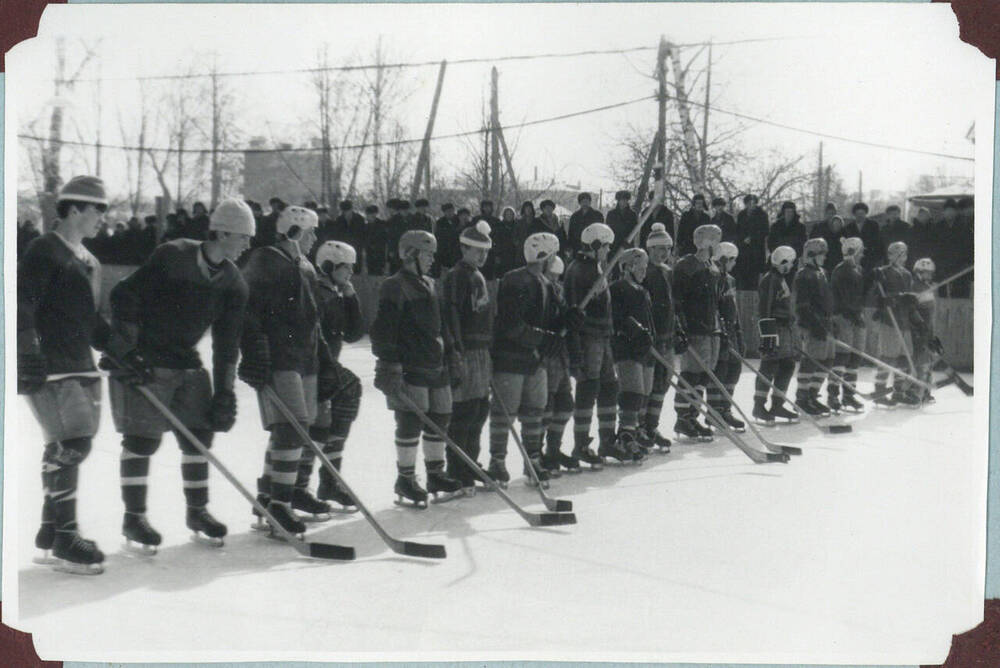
<point>706,433</point>
<point>76,555</point>
<point>761,415</point>
<point>851,404</point>
<point>731,421</point>
<point>329,490</point>
<point>884,397</point>
<point>43,541</point>
<point>263,498</point>
<point>685,429</point>
<point>660,442</point>
<point>409,493</point>
<point>583,453</point>
<point>497,470</point>
<point>810,407</point>
<point>140,537</point>
<point>905,399</point>
<point>550,462</point>
<point>543,475</point>
<point>286,517</point>
<point>311,508</point>
<point>206,529</point>
<point>818,405</point>
<point>441,487</point>
<point>779,411</point>
<point>833,401</point>
<point>571,464</point>
<point>618,448</point>
<point>644,441</point>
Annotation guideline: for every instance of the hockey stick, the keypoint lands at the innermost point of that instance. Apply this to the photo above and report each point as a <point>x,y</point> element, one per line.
<point>899,332</point>
<point>870,396</point>
<point>303,547</point>
<point>770,445</point>
<point>534,519</point>
<point>558,505</point>
<point>825,428</point>
<point>953,377</point>
<point>882,365</point>
<point>936,286</point>
<point>406,547</point>
<point>755,455</point>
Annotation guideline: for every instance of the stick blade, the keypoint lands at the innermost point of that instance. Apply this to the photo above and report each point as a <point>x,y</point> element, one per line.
<point>967,389</point>
<point>331,551</point>
<point>791,450</point>
<point>779,457</point>
<point>424,550</point>
<point>839,428</point>
<point>551,519</point>
<point>563,506</point>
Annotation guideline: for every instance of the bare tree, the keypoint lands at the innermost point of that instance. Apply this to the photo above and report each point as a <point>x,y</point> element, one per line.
<point>134,160</point>
<point>385,91</point>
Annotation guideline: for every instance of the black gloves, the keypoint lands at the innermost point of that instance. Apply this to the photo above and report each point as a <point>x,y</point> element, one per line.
<point>255,366</point>
<point>222,410</point>
<point>388,378</point>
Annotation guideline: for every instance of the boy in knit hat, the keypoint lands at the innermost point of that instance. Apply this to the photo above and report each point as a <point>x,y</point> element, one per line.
<point>58,285</point>
<point>162,311</point>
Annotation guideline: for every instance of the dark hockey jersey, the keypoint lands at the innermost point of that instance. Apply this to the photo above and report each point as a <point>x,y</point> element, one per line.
<point>729,311</point>
<point>465,308</point>
<point>339,316</point>
<point>894,281</point>
<point>774,298</point>
<point>813,298</point>
<point>581,275</point>
<point>407,328</point>
<point>522,312</point>
<point>657,284</point>
<point>697,286</point>
<point>629,300</point>
<point>847,283</point>
<point>175,297</point>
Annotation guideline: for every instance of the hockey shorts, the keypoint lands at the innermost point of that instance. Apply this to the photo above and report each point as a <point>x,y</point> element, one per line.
<point>478,369</point>
<point>635,377</point>
<point>815,348</point>
<point>598,360</point>
<point>427,399</point>
<point>555,373</point>
<point>297,392</point>
<point>787,343</point>
<point>68,408</point>
<point>707,348</point>
<point>890,346</point>
<point>186,392</point>
<point>851,334</point>
<point>520,392</point>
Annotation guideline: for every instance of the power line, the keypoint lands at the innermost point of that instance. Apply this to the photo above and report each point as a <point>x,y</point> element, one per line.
<point>424,63</point>
<point>397,142</point>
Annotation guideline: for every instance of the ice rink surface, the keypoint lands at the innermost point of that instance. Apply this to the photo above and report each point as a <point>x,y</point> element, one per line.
<point>859,551</point>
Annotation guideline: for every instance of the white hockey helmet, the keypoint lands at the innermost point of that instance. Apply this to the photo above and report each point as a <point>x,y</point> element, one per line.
<point>783,256</point>
<point>335,253</point>
<point>814,247</point>
<point>414,241</point>
<point>539,246</point>
<point>658,236</point>
<point>726,250</point>
<point>596,235</point>
<point>850,246</point>
<point>706,236</point>
<point>895,250</point>
<point>556,266</point>
<point>924,264</point>
<point>296,216</point>
<point>233,215</point>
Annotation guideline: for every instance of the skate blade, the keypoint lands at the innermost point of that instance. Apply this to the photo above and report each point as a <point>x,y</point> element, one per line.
<point>272,534</point>
<point>140,549</point>
<point>763,423</point>
<point>314,517</point>
<point>469,491</point>
<point>445,497</point>
<point>210,541</point>
<point>531,483</point>
<point>409,503</point>
<point>63,566</point>
<point>260,524</point>
<point>343,510</point>
<point>45,559</point>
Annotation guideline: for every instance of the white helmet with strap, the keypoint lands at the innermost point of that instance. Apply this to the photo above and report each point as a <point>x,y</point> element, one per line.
<point>296,216</point>
<point>596,235</point>
<point>783,256</point>
<point>727,250</point>
<point>539,246</point>
<point>333,253</point>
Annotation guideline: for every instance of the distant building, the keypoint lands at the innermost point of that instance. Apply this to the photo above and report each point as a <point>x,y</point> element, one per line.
<point>292,175</point>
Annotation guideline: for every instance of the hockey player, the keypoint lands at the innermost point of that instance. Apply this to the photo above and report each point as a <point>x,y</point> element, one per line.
<point>407,339</point>
<point>668,337</point>
<point>777,345</point>
<point>696,291</point>
<point>559,408</point>
<point>925,343</point>
<point>847,284</point>
<point>813,314</point>
<point>590,358</point>
<point>58,285</point>
<point>340,321</point>
<point>467,317</point>
<point>634,332</point>
<point>728,368</point>
<point>282,349</point>
<point>162,311</point>
<point>894,338</point>
<point>522,339</point>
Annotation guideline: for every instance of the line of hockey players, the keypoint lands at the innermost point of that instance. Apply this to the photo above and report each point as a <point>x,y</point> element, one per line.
<point>558,343</point>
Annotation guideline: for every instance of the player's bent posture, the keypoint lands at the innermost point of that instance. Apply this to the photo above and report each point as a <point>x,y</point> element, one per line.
<point>467,317</point>
<point>162,311</point>
<point>340,320</point>
<point>813,313</point>
<point>895,317</point>
<point>522,339</point>
<point>727,369</point>
<point>634,332</point>
<point>696,291</point>
<point>777,345</point>
<point>559,407</point>
<point>283,350</point>
<point>58,285</point>
<point>847,283</point>
<point>406,338</point>
<point>670,338</point>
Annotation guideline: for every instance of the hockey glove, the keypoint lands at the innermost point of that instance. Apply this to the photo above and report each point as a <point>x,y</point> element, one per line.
<point>637,336</point>
<point>934,345</point>
<point>222,411</point>
<point>130,369</point>
<point>768,329</point>
<point>388,378</point>
<point>255,365</point>
<point>574,318</point>
<point>680,342</point>
<point>907,300</point>
<point>456,368</point>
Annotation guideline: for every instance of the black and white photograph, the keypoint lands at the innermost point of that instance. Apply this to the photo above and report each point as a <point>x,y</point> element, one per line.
<point>497,332</point>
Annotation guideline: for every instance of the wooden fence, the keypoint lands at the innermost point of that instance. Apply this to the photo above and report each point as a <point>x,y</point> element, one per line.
<point>953,323</point>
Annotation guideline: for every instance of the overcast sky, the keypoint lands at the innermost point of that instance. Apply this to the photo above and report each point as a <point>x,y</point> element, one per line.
<point>893,74</point>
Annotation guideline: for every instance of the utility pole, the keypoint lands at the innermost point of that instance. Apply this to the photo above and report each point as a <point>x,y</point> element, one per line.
<point>423,168</point>
<point>216,175</point>
<point>690,141</point>
<point>820,190</point>
<point>861,193</point>
<point>658,149</point>
<point>377,121</point>
<point>494,138</point>
<point>704,126</point>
